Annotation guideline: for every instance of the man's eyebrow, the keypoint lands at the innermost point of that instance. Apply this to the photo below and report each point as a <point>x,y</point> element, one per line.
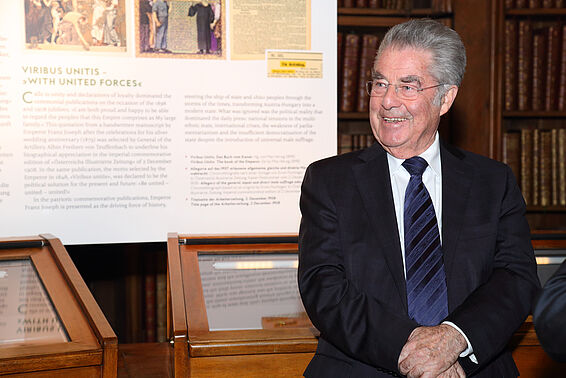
<point>375,75</point>
<point>411,79</point>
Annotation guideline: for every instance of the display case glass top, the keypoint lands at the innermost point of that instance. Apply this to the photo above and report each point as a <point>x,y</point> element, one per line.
<point>26,311</point>
<point>251,290</point>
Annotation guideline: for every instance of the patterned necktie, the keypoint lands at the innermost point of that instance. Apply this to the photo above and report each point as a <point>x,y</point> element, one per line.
<point>426,281</point>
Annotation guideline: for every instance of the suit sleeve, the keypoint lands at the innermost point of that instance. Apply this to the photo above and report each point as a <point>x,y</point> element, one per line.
<point>350,319</point>
<point>495,309</point>
<point>550,315</point>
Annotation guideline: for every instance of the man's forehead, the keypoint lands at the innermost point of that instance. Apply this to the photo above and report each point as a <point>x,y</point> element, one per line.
<point>408,64</point>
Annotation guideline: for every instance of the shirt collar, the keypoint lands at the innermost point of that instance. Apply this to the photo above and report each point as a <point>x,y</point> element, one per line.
<point>431,155</point>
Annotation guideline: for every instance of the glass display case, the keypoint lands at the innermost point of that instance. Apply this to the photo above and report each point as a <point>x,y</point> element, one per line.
<point>233,303</point>
<point>50,325</point>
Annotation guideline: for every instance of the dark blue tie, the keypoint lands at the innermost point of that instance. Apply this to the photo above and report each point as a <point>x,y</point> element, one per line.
<point>426,280</point>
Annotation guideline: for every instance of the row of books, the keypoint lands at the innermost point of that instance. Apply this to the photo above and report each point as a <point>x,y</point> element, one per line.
<point>435,5</point>
<point>356,54</point>
<point>145,296</point>
<point>538,160</point>
<point>154,289</point>
<point>348,142</point>
<point>534,66</point>
<point>533,4</point>
<point>155,307</point>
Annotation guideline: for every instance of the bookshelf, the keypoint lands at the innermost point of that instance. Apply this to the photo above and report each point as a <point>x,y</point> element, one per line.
<point>361,25</point>
<point>530,104</point>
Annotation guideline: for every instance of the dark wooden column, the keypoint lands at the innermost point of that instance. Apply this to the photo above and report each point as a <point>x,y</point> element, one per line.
<point>472,118</point>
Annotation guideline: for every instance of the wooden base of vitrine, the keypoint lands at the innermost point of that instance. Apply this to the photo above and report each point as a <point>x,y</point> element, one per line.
<point>266,365</point>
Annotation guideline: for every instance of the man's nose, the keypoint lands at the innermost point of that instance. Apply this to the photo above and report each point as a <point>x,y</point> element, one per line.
<point>390,98</point>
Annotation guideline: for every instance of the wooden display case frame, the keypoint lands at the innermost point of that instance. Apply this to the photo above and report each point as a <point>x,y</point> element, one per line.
<point>198,351</point>
<point>92,346</point>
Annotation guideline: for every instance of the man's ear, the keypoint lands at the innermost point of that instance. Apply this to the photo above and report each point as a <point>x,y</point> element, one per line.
<point>448,99</point>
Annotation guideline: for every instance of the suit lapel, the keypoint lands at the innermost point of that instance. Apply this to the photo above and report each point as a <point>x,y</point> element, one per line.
<point>372,179</point>
<point>457,178</point>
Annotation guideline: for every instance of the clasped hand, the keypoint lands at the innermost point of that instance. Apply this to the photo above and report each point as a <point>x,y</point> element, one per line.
<point>433,352</point>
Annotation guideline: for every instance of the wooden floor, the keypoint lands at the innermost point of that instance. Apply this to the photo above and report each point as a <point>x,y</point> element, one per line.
<point>154,360</point>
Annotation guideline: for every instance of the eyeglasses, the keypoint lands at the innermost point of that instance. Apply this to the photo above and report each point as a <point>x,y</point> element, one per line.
<point>404,91</point>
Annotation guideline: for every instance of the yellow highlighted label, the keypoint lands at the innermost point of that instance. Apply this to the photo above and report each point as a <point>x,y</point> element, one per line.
<point>294,64</point>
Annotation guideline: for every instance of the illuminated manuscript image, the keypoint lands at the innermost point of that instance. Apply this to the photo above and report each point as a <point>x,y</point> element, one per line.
<point>83,25</point>
<point>180,28</point>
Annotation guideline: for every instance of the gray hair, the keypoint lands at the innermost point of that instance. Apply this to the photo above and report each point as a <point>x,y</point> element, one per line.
<point>448,51</point>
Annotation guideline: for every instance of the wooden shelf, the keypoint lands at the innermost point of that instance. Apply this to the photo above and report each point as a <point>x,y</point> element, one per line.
<point>536,12</point>
<point>420,12</point>
<point>546,209</point>
<point>382,18</point>
<point>534,114</point>
<point>353,116</point>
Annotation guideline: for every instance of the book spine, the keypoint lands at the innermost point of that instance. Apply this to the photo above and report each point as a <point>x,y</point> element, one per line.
<point>349,3</point>
<point>521,4</point>
<point>552,66</point>
<point>526,164</point>
<point>539,48</point>
<point>355,142</point>
<point>562,167</point>
<point>512,152</point>
<point>370,140</point>
<point>554,168</point>
<point>350,72</point>
<point>524,64</point>
<point>535,178</point>
<point>361,3</point>
<point>134,297</point>
<point>340,64</point>
<point>344,143</point>
<point>369,45</point>
<point>562,76</point>
<point>161,306</point>
<point>510,68</point>
<point>149,296</point>
<point>374,4</point>
<point>545,168</point>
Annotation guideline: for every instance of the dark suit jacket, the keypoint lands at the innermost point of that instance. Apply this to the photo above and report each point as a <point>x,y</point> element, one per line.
<point>351,276</point>
<point>550,315</point>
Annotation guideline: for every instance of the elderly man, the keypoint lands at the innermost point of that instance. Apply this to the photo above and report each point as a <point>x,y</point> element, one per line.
<point>414,256</point>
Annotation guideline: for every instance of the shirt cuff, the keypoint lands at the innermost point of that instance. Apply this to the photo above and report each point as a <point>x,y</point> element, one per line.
<point>469,352</point>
